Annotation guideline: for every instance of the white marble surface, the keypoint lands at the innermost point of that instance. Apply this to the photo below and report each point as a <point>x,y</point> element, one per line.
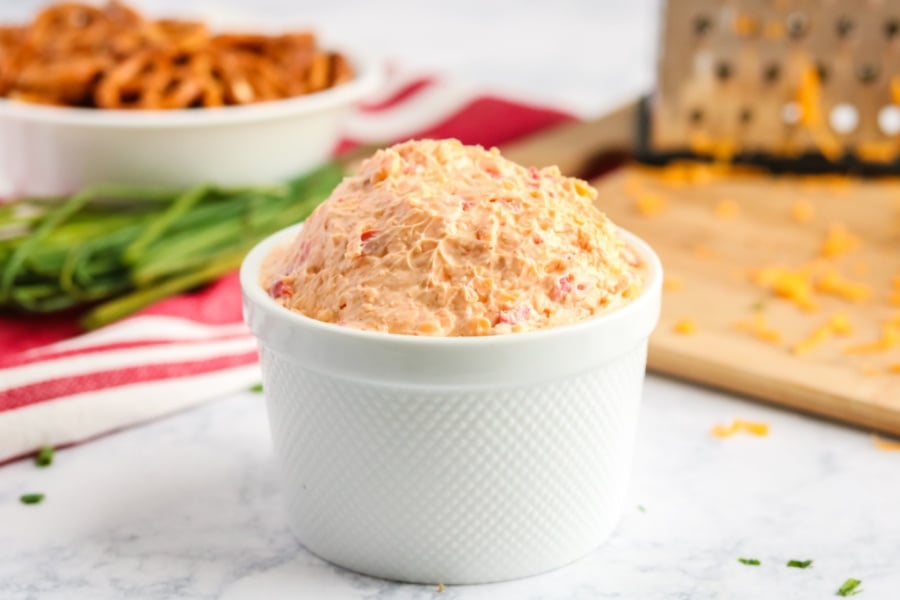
<point>189,507</point>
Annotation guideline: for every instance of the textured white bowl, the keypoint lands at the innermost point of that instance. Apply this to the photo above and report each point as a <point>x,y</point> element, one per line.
<point>48,151</point>
<point>453,460</point>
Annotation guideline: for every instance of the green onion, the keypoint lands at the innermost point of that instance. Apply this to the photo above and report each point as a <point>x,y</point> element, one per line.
<point>749,561</point>
<point>800,564</point>
<point>114,249</point>
<point>848,588</point>
<point>641,508</point>
<point>31,498</point>
<point>257,388</point>
<point>44,457</point>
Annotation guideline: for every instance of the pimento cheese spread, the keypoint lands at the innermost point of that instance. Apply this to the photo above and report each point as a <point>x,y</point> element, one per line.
<point>434,237</point>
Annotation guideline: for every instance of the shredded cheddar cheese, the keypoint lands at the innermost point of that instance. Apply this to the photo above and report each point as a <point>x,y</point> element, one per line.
<point>838,324</point>
<point>727,210</point>
<point>877,152</point>
<point>894,299</point>
<point>704,252</point>
<point>895,89</point>
<point>758,326</point>
<point>793,285</point>
<point>895,368</point>
<point>838,241</point>
<point>860,268</point>
<point>774,30</point>
<point>740,426</point>
<point>745,25</point>
<point>650,204</point>
<point>672,283</point>
<point>890,337</point>
<point>870,370</point>
<point>686,327</point>
<point>809,98</point>
<point>803,211</point>
<point>833,283</point>
<point>885,445</point>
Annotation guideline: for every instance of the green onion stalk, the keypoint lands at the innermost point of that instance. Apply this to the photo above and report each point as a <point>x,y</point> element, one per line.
<point>111,250</point>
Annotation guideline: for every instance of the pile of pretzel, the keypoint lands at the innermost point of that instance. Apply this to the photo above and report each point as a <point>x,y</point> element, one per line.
<point>75,54</point>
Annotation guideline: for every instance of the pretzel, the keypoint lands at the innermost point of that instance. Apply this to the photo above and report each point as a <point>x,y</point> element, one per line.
<point>111,57</point>
<point>249,78</point>
<point>178,35</point>
<point>159,79</point>
<point>68,27</point>
<point>68,80</point>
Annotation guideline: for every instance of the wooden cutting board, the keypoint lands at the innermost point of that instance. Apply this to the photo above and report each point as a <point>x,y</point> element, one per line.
<point>714,257</point>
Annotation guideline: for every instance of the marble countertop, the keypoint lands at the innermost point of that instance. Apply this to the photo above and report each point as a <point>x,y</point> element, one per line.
<point>189,507</point>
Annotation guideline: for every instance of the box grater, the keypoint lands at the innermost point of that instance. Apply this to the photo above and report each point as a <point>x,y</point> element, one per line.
<point>802,85</point>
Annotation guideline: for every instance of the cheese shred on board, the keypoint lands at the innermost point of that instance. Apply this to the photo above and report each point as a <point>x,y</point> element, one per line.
<point>758,326</point>
<point>838,241</point>
<point>791,284</point>
<point>833,283</point>
<point>838,324</point>
<point>686,327</point>
<point>803,211</point>
<point>890,338</point>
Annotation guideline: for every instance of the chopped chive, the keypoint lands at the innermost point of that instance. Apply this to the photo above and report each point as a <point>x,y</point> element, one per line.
<point>257,388</point>
<point>641,508</point>
<point>749,561</point>
<point>759,306</point>
<point>849,588</point>
<point>800,564</point>
<point>31,498</point>
<point>44,457</point>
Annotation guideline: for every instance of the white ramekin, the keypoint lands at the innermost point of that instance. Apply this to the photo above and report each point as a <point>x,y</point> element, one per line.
<point>452,460</point>
<point>49,151</point>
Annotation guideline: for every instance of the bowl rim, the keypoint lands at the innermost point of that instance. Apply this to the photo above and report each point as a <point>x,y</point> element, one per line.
<point>368,77</point>
<point>254,292</point>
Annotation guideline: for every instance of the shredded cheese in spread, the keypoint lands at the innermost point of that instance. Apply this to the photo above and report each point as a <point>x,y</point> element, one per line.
<point>436,238</point>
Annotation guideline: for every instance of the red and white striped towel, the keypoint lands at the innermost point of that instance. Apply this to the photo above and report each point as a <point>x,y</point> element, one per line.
<point>58,387</point>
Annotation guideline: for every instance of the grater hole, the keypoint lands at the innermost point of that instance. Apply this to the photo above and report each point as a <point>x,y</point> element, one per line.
<point>844,27</point>
<point>790,113</point>
<point>723,71</point>
<point>696,116</point>
<point>889,119</point>
<point>797,25</point>
<point>891,29</point>
<point>822,72</point>
<point>843,118</point>
<point>702,25</point>
<point>772,73</point>
<point>745,116</point>
<point>867,73</point>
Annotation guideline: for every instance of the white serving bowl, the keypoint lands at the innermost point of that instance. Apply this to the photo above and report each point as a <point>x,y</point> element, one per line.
<point>452,460</point>
<point>49,151</point>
